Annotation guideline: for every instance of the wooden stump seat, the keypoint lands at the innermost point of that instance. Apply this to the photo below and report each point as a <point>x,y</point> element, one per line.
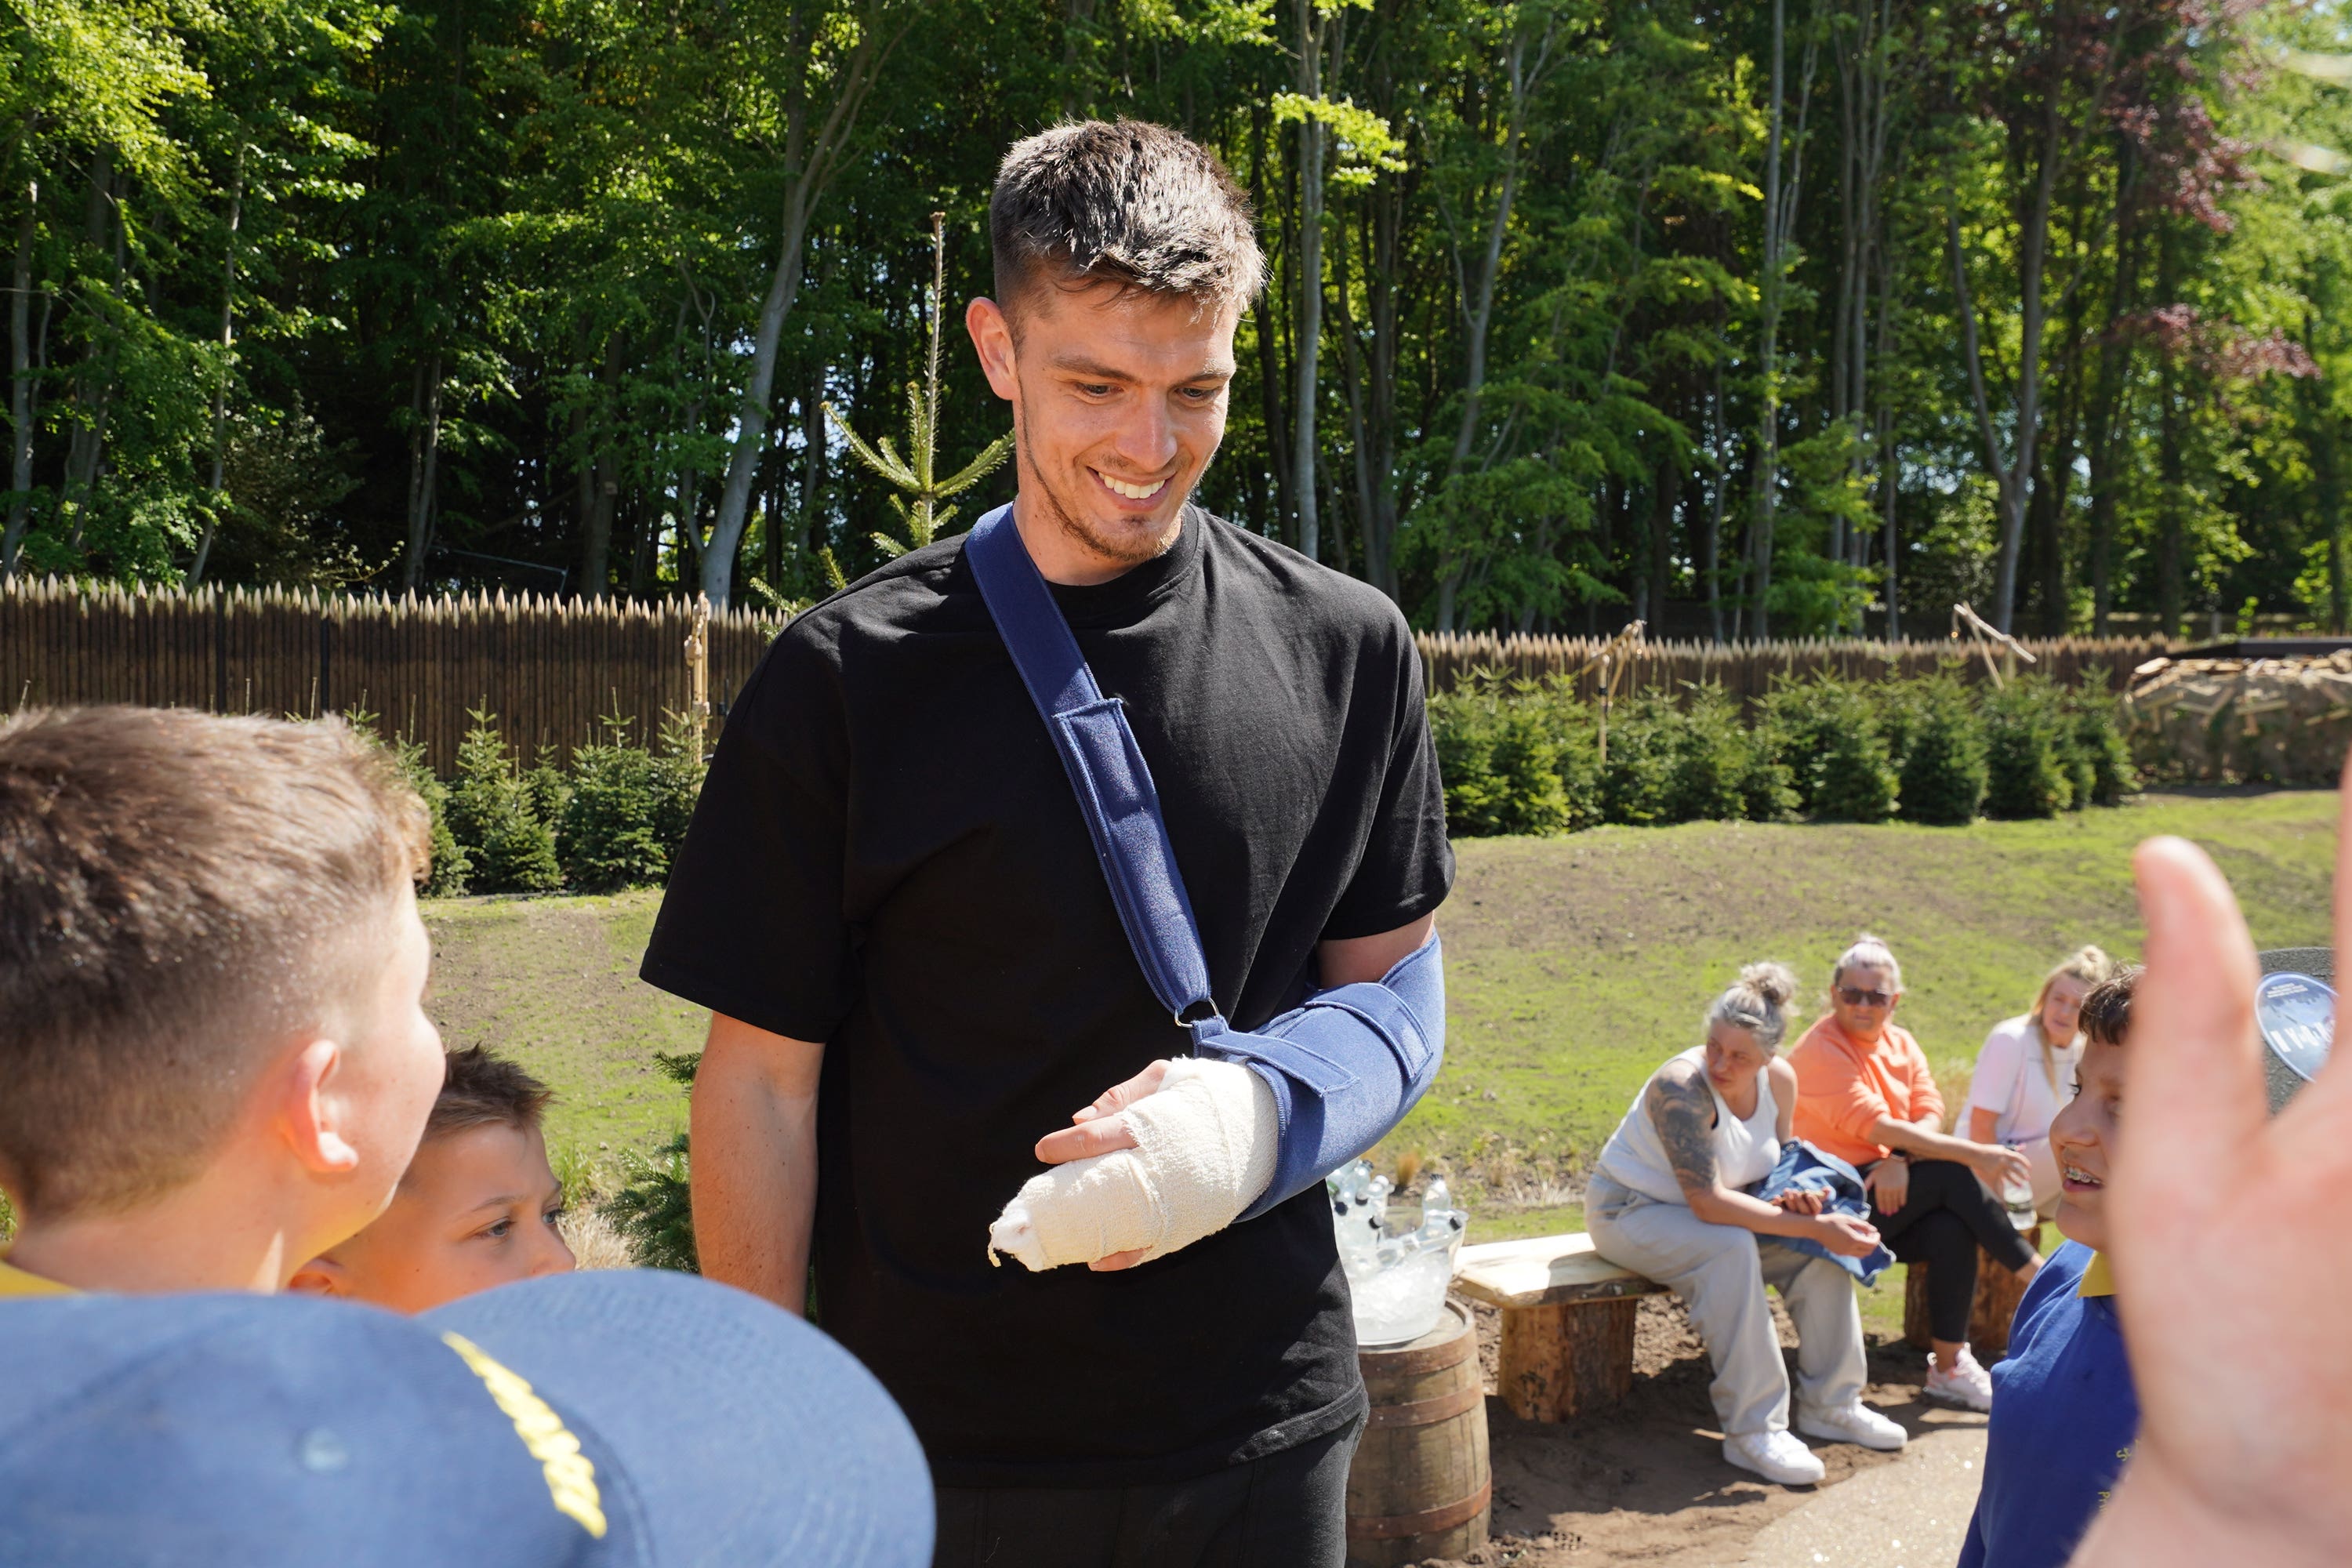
<point>1998,1294</point>
<point>1568,1321</point>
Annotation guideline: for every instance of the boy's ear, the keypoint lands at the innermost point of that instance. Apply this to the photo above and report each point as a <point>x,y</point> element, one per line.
<point>308,1112</point>
<point>323,1276</point>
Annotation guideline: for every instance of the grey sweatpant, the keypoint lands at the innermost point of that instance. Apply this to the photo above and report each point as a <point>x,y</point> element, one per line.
<point>1720,1272</point>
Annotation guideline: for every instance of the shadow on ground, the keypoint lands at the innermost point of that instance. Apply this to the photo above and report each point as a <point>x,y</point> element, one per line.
<point>1646,1481</point>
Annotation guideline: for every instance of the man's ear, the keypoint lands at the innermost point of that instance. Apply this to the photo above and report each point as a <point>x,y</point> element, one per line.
<point>991,339</point>
<point>311,1114</point>
<point>323,1276</point>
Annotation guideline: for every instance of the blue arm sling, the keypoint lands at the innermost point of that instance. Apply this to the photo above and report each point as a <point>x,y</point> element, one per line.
<point>1346,1066</point>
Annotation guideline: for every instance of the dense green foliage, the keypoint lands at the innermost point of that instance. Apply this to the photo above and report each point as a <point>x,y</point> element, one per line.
<point>1525,758</point>
<point>626,809</point>
<point>1765,317</point>
<point>613,820</point>
<point>654,1208</point>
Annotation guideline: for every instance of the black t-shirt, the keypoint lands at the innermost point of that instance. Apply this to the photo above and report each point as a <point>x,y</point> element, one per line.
<point>888,858</point>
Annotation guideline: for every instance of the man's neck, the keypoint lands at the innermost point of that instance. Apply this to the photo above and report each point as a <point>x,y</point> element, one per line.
<point>180,1242</point>
<point>1060,554</point>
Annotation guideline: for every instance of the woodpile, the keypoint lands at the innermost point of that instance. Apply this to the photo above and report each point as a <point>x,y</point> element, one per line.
<point>2243,720</point>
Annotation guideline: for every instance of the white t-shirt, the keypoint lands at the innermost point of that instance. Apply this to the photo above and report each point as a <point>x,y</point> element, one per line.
<point>2010,1082</point>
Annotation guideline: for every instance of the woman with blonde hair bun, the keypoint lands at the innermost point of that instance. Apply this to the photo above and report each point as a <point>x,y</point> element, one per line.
<point>2025,1073</point>
<point>1672,1198</point>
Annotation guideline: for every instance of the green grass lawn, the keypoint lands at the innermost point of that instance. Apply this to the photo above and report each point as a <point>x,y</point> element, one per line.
<point>1575,965</point>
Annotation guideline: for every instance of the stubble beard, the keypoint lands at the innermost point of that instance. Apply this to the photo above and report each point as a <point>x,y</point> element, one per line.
<point>1126,548</point>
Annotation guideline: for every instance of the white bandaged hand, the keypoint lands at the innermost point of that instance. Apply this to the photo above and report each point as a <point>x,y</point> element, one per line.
<point>1205,1150</point>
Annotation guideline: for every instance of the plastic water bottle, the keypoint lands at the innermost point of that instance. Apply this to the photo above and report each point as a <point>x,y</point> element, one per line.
<point>2016,1196</point>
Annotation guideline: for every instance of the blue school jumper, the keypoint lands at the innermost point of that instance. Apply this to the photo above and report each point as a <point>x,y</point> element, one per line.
<point>2063,1419</point>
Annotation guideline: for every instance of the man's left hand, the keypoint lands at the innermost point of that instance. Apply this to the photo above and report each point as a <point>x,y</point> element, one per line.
<point>1099,1128</point>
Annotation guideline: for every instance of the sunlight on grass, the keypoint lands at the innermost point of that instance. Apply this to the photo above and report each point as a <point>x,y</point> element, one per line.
<point>1574,967</point>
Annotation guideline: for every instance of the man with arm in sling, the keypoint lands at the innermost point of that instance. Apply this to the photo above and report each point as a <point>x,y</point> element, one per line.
<point>922,944</point>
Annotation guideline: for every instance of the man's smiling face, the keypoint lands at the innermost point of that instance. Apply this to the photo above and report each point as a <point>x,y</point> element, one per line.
<point>1119,401</point>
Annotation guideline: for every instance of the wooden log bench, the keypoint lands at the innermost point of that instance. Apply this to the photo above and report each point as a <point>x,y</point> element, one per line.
<point>1567,1322</point>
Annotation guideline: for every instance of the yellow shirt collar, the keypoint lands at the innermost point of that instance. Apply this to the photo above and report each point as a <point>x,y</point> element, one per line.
<point>2098,1278</point>
<point>14,1282</point>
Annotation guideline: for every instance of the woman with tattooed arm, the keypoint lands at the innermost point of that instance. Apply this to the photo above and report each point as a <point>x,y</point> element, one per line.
<point>1668,1200</point>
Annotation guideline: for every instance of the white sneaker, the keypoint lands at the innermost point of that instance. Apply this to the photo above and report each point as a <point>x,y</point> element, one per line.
<point>1856,1423</point>
<point>1964,1383</point>
<point>1775,1456</point>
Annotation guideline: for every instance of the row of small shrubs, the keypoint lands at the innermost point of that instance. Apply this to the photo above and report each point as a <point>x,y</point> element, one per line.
<point>1526,756</point>
<point>612,820</point>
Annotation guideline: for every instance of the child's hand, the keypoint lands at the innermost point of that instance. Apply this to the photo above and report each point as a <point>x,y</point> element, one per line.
<point>1801,1200</point>
<point>2245,1388</point>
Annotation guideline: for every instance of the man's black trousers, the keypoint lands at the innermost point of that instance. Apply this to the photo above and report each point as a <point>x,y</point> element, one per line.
<point>1287,1510</point>
<point>1944,1217</point>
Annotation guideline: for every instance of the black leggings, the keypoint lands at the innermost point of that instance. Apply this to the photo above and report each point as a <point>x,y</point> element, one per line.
<point>1944,1217</point>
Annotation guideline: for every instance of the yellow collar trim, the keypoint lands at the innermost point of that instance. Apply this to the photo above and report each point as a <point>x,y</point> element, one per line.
<point>2098,1280</point>
<point>16,1281</point>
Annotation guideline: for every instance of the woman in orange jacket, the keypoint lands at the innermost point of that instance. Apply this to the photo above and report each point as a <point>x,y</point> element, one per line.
<point>1864,1094</point>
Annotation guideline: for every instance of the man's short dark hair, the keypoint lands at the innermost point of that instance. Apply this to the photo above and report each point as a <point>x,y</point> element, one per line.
<point>1124,201</point>
<point>179,894</point>
<point>2107,1010</point>
<point>479,1090</point>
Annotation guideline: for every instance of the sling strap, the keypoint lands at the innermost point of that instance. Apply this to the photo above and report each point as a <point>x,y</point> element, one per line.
<point>1107,769</point>
<point>1345,1066</point>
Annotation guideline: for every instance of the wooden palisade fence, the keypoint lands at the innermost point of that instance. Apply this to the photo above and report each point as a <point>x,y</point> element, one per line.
<point>550,669</point>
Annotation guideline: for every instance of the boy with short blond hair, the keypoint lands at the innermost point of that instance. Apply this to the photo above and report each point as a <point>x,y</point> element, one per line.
<point>478,1208</point>
<point>212,973</point>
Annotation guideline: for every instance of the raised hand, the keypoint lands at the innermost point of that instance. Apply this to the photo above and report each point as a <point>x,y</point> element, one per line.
<point>2233,1254</point>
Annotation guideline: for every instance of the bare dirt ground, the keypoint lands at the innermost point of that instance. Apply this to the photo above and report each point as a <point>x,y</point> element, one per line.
<point>1646,1483</point>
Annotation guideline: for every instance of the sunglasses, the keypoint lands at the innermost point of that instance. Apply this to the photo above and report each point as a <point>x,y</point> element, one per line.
<point>1855,997</point>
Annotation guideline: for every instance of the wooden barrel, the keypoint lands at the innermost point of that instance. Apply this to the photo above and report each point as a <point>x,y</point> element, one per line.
<point>1420,1486</point>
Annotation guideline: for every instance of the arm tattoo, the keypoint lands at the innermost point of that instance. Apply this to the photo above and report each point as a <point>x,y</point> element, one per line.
<point>1684,1113</point>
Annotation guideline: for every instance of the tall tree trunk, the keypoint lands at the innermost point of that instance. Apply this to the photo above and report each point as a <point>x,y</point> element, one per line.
<point>812,160</point>
<point>1781,205</point>
<point>1711,548</point>
<point>601,482</point>
<point>424,467</point>
<point>1883,453</point>
<point>2323,440</point>
<point>20,385</point>
<point>2107,416</point>
<point>1314,143</point>
<point>2013,472</point>
<point>1478,284</point>
<point>220,386</point>
<point>1666,505</point>
<point>93,380</point>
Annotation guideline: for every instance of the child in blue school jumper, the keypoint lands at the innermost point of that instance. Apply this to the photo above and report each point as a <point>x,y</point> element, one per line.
<point>2063,1410</point>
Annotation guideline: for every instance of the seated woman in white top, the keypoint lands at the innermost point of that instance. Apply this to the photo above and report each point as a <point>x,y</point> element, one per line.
<point>2025,1074</point>
<point>1667,1201</point>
